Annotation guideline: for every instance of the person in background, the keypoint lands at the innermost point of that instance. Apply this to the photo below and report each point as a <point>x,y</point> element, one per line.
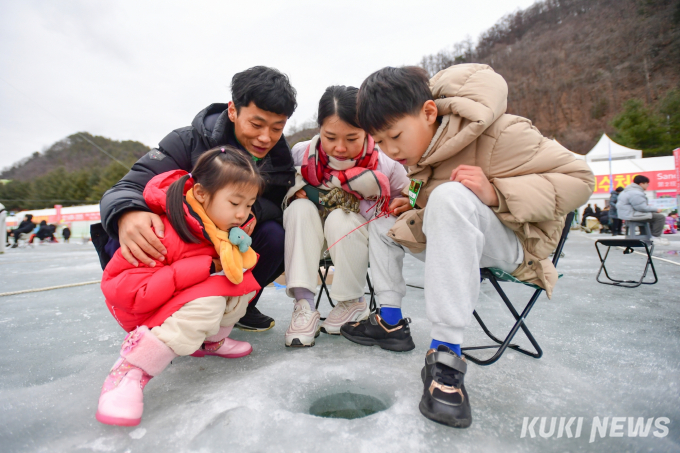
<point>26,226</point>
<point>66,233</point>
<point>587,212</point>
<point>614,220</point>
<point>633,205</point>
<point>604,219</point>
<point>3,228</point>
<point>42,232</point>
<point>672,222</point>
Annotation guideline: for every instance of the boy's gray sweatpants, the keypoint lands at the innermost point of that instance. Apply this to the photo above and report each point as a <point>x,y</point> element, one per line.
<point>463,235</point>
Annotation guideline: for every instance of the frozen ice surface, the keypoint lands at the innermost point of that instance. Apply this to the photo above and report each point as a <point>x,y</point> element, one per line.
<point>608,352</point>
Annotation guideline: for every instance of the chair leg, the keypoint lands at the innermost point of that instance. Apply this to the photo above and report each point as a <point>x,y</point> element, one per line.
<point>324,288</point>
<point>626,283</point>
<point>371,305</point>
<point>648,265</point>
<point>519,323</point>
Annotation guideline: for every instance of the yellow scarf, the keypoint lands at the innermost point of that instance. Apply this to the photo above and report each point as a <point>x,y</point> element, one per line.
<point>233,261</point>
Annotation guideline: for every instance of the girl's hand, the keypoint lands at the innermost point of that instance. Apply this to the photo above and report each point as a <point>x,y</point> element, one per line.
<point>399,206</point>
<point>300,194</point>
<point>218,265</point>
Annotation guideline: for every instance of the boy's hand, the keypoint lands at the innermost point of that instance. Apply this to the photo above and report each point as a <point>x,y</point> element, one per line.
<point>399,206</point>
<point>138,241</point>
<point>474,179</point>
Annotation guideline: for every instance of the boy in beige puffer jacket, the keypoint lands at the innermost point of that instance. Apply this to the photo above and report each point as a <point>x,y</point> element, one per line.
<point>487,190</point>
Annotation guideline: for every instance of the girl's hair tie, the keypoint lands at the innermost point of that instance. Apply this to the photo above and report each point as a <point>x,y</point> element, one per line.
<point>190,176</point>
<point>223,150</point>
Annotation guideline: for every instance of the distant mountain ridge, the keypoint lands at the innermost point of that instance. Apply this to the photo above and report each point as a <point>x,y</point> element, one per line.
<point>572,64</point>
<point>74,153</point>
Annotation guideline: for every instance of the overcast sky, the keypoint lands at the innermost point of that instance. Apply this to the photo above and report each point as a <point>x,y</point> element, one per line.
<point>139,69</point>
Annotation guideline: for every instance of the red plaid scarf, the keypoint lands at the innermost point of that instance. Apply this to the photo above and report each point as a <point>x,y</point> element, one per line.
<point>358,176</point>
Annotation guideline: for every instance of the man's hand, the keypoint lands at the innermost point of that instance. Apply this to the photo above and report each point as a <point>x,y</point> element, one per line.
<point>250,227</point>
<point>474,179</point>
<point>138,240</point>
<point>399,206</point>
<point>659,210</point>
<point>300,194</point>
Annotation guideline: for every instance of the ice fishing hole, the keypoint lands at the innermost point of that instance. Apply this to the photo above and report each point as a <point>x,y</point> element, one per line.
<point>346,405</point>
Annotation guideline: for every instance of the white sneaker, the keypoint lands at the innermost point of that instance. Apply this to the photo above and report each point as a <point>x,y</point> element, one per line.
<point>345,311</point>
<point>304,326</point>
<point>660,241</point>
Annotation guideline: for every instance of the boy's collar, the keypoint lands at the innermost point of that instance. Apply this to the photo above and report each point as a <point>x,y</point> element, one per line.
<point>444,122</point>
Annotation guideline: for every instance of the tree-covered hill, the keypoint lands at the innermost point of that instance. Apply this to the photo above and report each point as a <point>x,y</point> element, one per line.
<point>75,153</point>
<point>70,172</point>
<point>573,65</point>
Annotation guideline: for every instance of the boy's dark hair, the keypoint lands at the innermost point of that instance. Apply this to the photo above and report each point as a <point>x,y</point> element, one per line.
<point>339,100</point>
<point>640,179</point>
<point>268,88</point>
<point>619,189</point>
<point>215,169</point>
<point>389,94</point>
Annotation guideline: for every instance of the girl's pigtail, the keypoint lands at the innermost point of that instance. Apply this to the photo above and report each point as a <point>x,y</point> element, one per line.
<point>175,210</point>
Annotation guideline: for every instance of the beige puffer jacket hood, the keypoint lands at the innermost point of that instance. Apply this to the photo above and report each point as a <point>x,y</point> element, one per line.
<point>537,180</point>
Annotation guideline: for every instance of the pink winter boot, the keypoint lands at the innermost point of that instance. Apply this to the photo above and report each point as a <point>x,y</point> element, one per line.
<point>222,346</point>
<point>142,357</point>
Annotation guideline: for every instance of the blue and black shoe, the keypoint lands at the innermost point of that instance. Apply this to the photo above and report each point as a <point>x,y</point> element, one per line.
<point>445,399</point>
<point>375,331</point>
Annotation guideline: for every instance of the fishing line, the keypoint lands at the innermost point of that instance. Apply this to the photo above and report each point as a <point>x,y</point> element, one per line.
<point>382,214</point>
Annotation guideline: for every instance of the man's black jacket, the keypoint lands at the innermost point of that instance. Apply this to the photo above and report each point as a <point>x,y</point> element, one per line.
<point>180,150</point>
<point>25,226</point>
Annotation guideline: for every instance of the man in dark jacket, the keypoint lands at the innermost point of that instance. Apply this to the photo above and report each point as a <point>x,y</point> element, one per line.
<point>26,226</point>
<point>613,212</point>
<point>262,102</point>
<point>587,212</point>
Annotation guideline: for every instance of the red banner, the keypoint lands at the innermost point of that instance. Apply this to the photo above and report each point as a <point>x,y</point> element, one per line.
<point>658,180</point>
<point>676,154</point>
<point>80,217</point>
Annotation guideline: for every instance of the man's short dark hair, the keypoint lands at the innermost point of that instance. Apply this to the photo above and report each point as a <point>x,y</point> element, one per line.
<point>640,179</point>
<point>29,217</point>
<point>268,88</point>
<point>389,94</point>
<point>619,189</point>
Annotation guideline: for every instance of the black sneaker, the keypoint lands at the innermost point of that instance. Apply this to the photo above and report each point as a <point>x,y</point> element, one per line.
<point>254,321</point>
<point>374,330</point>
<point>445,399</point>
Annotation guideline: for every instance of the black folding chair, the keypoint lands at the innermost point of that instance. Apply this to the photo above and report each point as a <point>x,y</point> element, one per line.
<point>326,263</point>
<point>629,244</point>
<point>496,275</point>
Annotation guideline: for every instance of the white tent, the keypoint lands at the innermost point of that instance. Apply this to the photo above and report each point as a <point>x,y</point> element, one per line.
<point>600,151</point>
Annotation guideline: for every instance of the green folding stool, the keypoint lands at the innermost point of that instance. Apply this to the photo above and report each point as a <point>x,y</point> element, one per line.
<point>494,276</point>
